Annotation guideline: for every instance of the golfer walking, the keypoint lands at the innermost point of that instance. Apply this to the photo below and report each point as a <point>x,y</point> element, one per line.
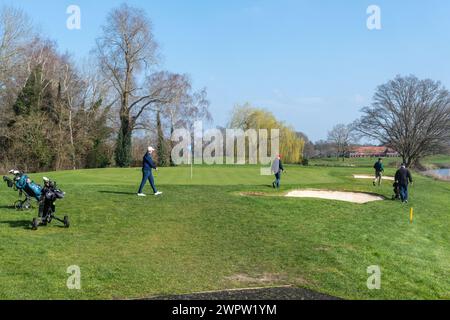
<point>147,166</point>
<point>379,169</point>
<point>277,168</point>
<point>403,178</point>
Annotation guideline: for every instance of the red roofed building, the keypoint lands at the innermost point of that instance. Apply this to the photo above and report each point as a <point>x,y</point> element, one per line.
<point>372,151</point>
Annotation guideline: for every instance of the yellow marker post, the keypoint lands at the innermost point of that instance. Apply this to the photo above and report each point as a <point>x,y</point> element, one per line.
<point>411,215</point>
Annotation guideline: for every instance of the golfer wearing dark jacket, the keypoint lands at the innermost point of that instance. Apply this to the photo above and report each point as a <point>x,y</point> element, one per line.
<point>147,166</point>
<point>379,169</point>
<point>403,178</point>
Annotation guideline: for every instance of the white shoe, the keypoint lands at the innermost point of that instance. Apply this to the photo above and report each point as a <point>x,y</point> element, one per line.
<point>158,193</point>
<point>141,195</point>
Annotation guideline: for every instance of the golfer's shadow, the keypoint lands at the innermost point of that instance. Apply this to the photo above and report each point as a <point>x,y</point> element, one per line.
<point>118,192</point>
<point>24,224</point>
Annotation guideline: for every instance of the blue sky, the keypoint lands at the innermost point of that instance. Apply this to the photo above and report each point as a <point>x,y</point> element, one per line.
<point>312,63</point>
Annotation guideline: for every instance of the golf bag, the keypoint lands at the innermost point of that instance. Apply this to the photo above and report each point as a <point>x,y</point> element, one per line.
<point>396,195</point>
<point>22,183</point>
<point>47,209</point>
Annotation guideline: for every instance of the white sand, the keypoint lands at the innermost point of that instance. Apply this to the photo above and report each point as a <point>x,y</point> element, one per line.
<point>364,176</point>
<point>354,197</point>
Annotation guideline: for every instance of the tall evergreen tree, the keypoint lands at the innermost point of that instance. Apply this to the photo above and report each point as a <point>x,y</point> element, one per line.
<point>29,98</point>
<point>36,96</point>
<point>161,148</point>
<point>123,145</point>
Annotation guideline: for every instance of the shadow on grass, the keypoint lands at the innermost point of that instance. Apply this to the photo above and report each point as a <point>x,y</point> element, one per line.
<point>24,224</point>
<point>11,207</point>
<point>270,293</point>
<point>118,192</point>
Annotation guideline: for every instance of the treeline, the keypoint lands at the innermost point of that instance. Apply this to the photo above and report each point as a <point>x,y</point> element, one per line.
<point>407,114</point>
<point>53,116</point>
<point>57,114</point>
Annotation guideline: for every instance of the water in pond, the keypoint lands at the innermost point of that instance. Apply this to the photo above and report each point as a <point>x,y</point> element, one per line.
<point>442,172</point>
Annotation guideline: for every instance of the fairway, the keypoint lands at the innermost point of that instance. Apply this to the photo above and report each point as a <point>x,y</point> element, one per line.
<point>202,235</point>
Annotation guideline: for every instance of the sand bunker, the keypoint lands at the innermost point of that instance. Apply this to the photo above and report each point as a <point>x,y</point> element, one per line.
<point>364,176</point>
<point>354,197</point>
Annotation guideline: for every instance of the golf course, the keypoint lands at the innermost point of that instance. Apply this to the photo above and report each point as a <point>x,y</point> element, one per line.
<point>227,228</point>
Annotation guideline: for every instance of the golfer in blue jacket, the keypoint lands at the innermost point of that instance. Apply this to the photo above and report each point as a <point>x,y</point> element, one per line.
<point>147,166</point>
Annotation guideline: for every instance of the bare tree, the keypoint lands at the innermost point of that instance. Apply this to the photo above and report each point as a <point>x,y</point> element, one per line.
<point>125,51</point>
<point>164,89</point>
<point>324,149</point>
<point>15,32</point>
<point>309,150</point>
<point>178,106</point>
<point>342,137</point>
<point>409,115</point>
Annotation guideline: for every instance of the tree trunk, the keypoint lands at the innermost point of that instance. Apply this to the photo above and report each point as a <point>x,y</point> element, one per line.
<point>123,146</point>
<point>407,160</point>
<point>172,129</point>
<point>72,144</point>
<point>161,147</point>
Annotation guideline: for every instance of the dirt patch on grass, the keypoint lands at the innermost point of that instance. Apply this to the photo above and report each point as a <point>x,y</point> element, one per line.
<point>322,248</point>
<point>353,197</point>
<point>268,279</point>
<point>252,194</point>
<point>264,279</point>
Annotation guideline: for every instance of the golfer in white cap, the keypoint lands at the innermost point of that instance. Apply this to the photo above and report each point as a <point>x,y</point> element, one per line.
<point>147,166</point>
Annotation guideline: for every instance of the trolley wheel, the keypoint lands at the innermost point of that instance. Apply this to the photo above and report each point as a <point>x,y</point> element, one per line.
<point>35,224</point>
<point>26,205</point>
<point>66,222</point>
<point>18,205</point>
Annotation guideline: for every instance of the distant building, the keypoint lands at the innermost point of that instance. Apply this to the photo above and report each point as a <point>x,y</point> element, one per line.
<point>371,152</point>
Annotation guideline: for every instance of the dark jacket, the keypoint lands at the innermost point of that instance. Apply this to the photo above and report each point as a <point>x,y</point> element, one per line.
<point>281,166</point>
<point>378,166</point>
<point>147,163</point>
<point>403,177</point>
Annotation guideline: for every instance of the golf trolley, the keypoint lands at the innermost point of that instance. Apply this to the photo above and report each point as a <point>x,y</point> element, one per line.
<point>22,183</point>
<point>396,195</point>
<point>47,208</point>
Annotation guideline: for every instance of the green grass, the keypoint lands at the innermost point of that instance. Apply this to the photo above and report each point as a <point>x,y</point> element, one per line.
<point>202,232</point>
<point>437,161</point>
<point>354,162</point>
<point>431,161</point>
